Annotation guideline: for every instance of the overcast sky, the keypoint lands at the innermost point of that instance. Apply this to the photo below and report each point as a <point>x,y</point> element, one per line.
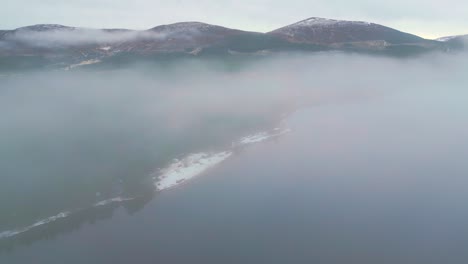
<point>428,18</point>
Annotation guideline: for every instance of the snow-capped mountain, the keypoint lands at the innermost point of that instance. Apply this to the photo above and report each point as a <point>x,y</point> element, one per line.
<point>329,31</point>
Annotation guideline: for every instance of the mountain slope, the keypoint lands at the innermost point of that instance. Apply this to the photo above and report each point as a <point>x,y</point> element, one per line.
<point>190,37</point>
<point>329,31</point>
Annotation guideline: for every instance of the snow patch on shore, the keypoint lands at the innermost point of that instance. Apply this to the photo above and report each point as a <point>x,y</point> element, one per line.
<point>113,200</point>
<point>10,233</point>
<point>83,63</point>
<point>188,168</point>
<point>106,48</point>
<point>259,137</point>
<point>193,165</point>
<point>262,136</point>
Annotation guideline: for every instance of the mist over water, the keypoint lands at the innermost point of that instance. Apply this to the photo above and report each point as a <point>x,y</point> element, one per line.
<point>70,137</point>
<point>376,125</point>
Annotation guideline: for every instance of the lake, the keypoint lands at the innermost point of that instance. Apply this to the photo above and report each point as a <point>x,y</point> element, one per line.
<point>379,179</point>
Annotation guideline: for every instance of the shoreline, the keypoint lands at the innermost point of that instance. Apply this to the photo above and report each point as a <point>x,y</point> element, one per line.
<point>178,173</point>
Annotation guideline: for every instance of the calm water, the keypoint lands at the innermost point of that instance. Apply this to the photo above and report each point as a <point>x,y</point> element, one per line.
<point>380,180</point>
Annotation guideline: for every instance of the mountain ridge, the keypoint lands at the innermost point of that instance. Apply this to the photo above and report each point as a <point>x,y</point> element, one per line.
<point>59,44</point>
<point>327,31</point>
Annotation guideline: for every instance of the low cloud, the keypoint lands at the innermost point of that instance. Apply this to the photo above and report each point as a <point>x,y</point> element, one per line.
<point>74,37</point>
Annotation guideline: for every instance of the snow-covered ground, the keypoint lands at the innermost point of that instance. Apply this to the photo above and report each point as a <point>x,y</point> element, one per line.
<point>193,165</point>
<point>262,136</point>
<point>10,233</point>
<point>106,48</point>
<point>86,62</point>
<point>113,200</point>
<point>188,168</point>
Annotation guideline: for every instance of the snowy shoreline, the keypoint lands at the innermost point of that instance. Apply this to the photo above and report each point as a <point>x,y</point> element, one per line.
<point>11,233</point>
<point>14,232</point>
<point>188,168</point>
<point>177,173</point>
<point>181,171</point>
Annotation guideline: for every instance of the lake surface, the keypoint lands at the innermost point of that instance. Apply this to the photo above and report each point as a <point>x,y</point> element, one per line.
<point>383,179</point>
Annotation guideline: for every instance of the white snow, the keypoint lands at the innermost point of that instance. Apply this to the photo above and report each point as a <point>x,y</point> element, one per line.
<point>259,137</point>
<point>196,51</point>
<point>188,168</point>
<point>113,200</point>
<point>180,171</point>
<point>262,136</point>
<point>317,21</point>
<point>107,48</point>
<point>10,233</point>
<point>7,234</point>
<point>445,39</point>
<point>86,62</point>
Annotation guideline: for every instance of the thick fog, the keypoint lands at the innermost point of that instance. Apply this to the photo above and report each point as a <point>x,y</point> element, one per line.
<point>76,37</point>
<point>68,137</point>
<point>53,36</point>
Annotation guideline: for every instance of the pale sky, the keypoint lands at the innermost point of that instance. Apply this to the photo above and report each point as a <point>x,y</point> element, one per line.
<point>427,18</point>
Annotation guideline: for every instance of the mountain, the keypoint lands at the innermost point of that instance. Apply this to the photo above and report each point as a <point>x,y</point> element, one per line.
<point>63,46</point>
<point>329,31</point>
<point>178,37</point>
<point>356,36</point>
<point>341,33</point>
